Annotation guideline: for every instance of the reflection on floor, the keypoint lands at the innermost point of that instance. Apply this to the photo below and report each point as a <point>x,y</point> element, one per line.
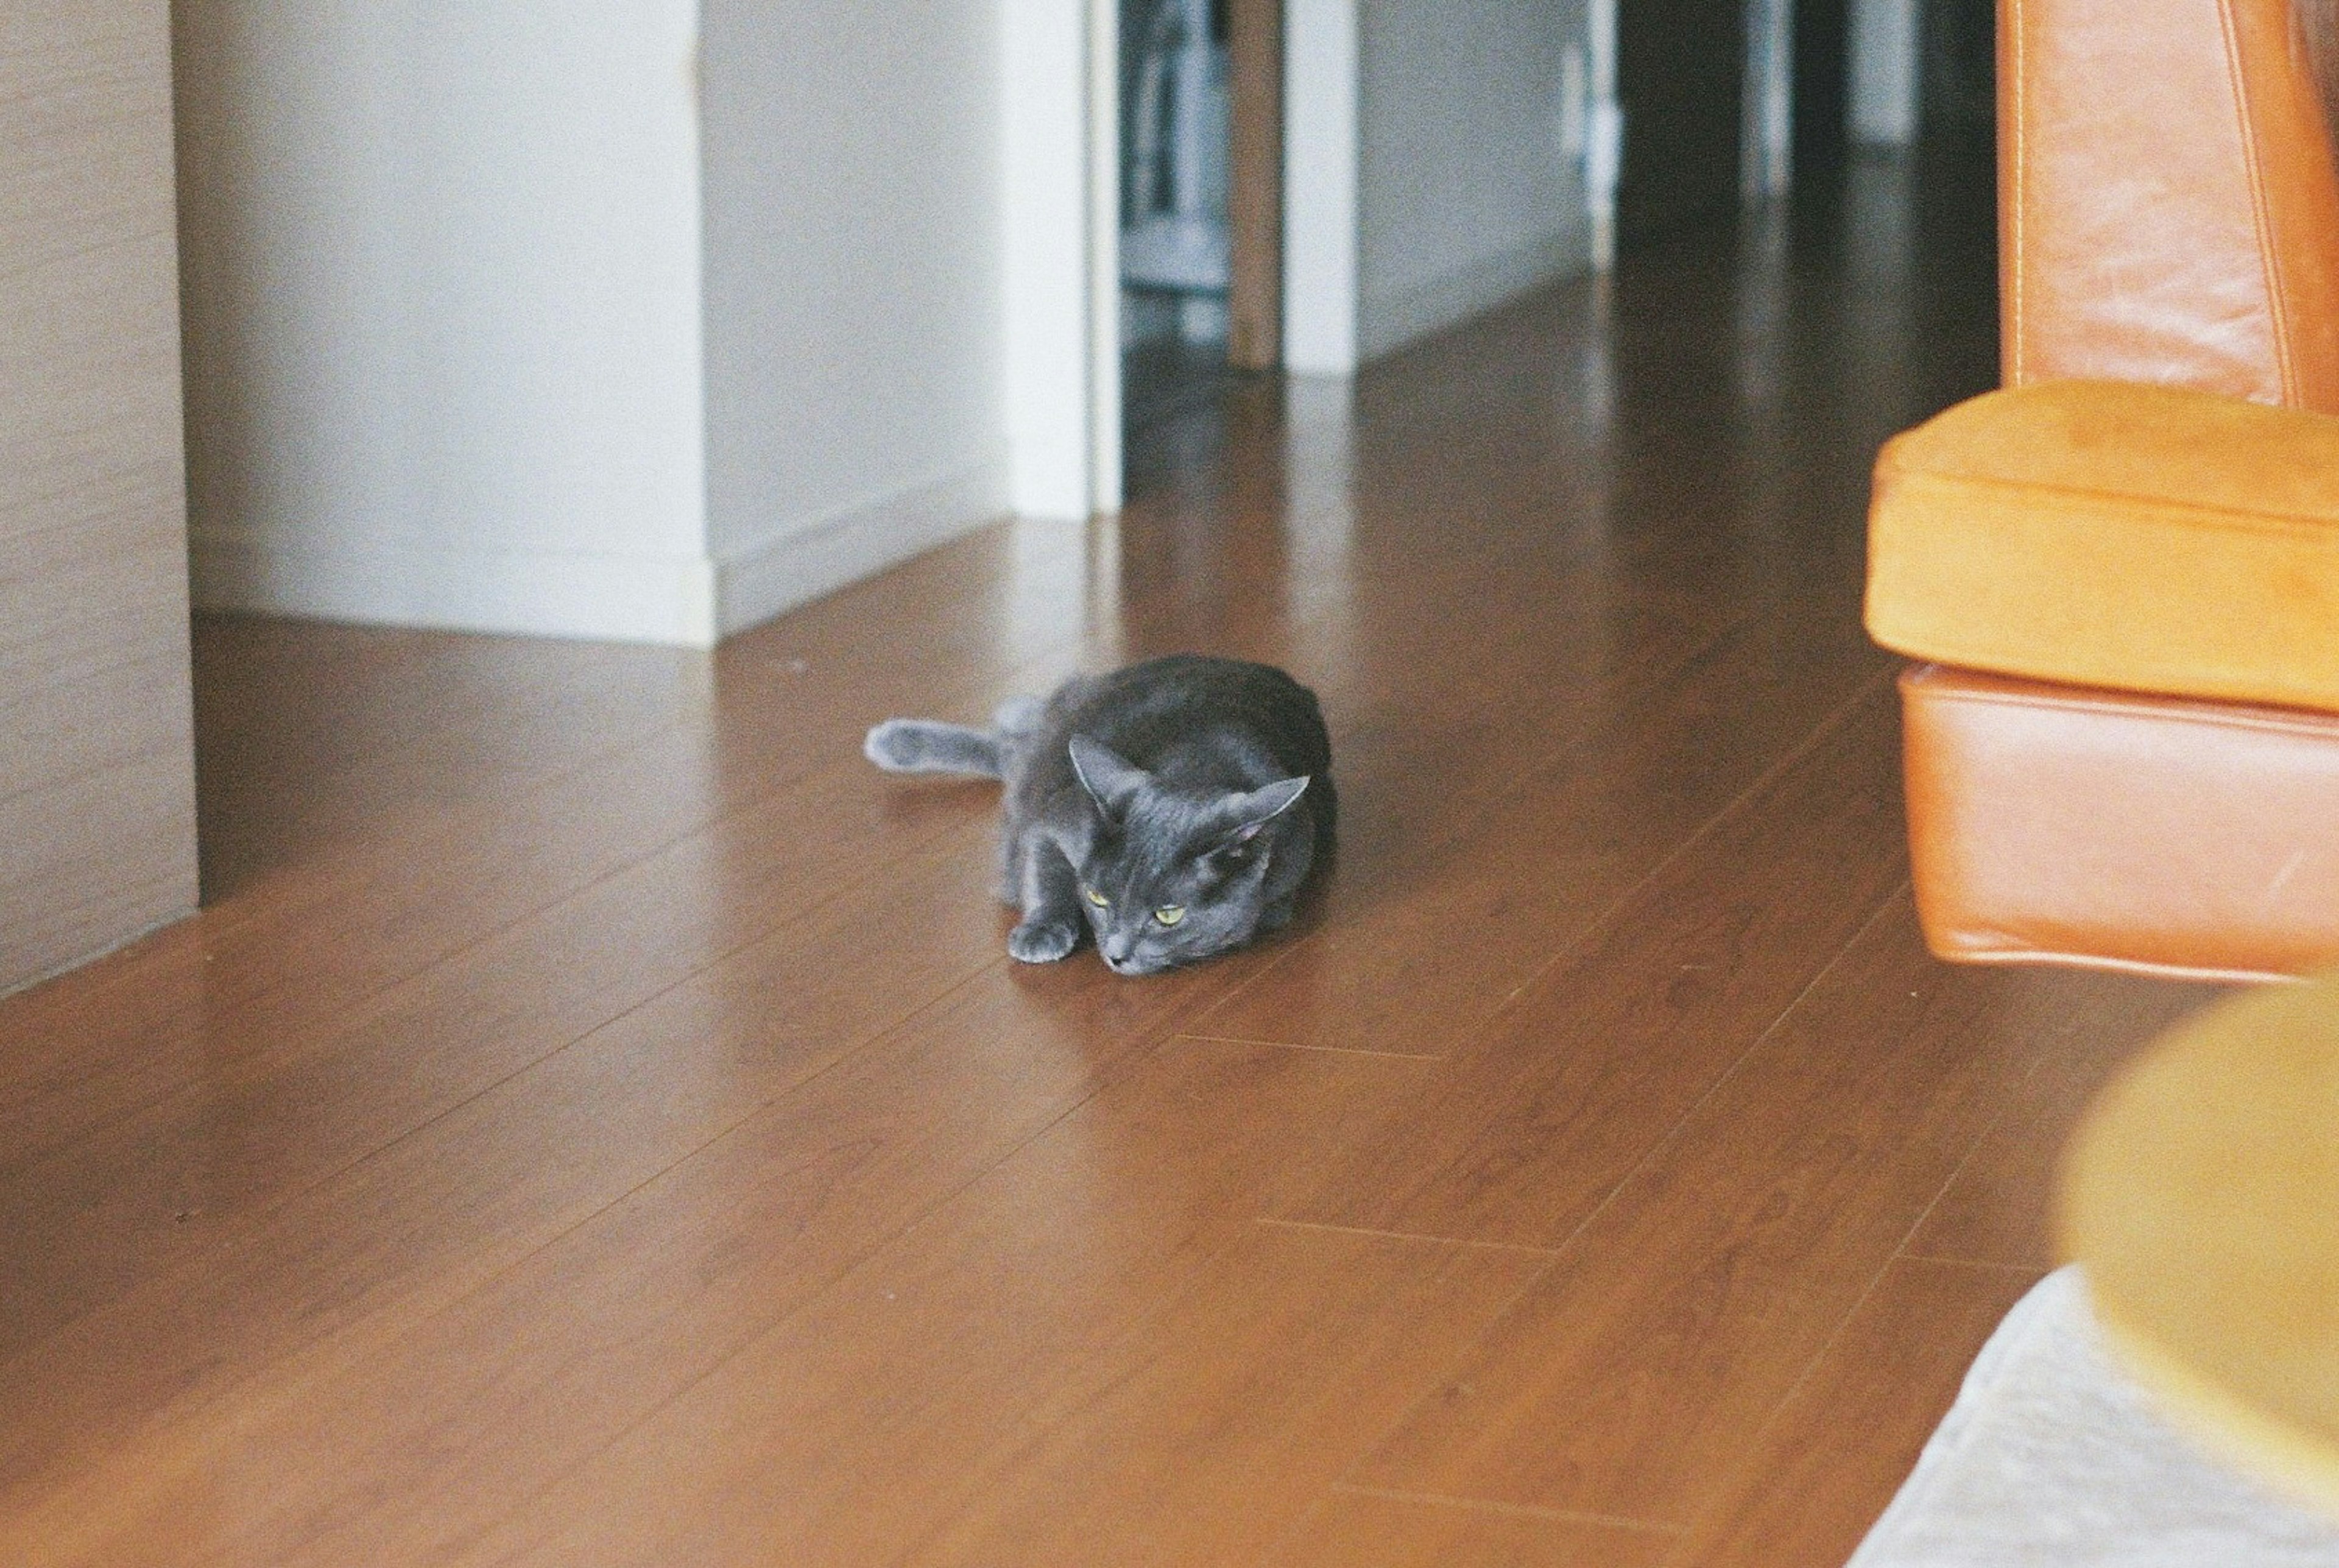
<point>1167,376</point>
<point>595,1122</point>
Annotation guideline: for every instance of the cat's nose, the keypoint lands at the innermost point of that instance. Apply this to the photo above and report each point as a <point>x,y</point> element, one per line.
<point>1117,948</point>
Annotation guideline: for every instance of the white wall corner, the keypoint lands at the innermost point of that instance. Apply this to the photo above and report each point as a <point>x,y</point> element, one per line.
<point>854,298</point>
<point>1046,128</point>
<point>442,282</point>
<point>1474,131</point>
<point>1884,49</point>
<point>1320,163</point>
<point>804,561</point>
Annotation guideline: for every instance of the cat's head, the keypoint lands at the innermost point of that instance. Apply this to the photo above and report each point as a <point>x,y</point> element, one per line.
<point>1173,875</point>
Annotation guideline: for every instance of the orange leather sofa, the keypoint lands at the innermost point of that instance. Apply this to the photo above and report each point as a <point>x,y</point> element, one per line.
<point>2121,571</point>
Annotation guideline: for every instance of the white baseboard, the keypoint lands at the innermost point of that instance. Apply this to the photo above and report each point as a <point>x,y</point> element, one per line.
<point>680,601</point>
<point>799,563</point>
<point>1388,323</point>
<point>527,593</point>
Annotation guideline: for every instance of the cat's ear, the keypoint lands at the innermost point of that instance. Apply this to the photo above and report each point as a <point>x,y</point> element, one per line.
<point>1110,779</point>
<point>1247,815</point>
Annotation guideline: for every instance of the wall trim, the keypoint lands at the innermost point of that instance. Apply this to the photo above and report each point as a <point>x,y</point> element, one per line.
<point>806,560</point>
<point>1388,323</point>
<point>525,593</point>
<point>677,601</point>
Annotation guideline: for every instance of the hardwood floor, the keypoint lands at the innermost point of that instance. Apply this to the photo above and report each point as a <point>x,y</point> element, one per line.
<point>595,1121</point>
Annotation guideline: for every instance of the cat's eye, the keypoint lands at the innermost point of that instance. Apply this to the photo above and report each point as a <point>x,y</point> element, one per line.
<point>1169,914</point>
<point>1096,898</point>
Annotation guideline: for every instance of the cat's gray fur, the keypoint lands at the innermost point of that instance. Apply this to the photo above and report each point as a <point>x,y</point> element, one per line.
<point>1182,783</point>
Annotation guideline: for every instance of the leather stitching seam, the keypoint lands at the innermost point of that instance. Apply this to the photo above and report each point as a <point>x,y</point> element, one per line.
<point>2310,527</point>
<point>2144,707</point>
<point>2013,24</point>
<point>2261,217</point>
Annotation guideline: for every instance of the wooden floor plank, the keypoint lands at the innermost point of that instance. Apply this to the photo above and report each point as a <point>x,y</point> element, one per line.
<point>1810,1486</point>
<point>424,1418</point>
<point>1438,931</point>
<point>1355,1529</point>
<point>1589,1069</point>
<point>1095,1340</point>
<point>505,1170</point>
<point>323,932</point>
<point>285,1102</point>
<point>1691,1305</point>
<point>411,725</point>
<point>1999,1209</point>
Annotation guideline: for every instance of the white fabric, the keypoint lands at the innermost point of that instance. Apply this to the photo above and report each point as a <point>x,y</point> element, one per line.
<point>2051,1459</point>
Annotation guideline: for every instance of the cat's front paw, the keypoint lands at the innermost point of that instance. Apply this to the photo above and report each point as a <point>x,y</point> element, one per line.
<point>1042,940</point>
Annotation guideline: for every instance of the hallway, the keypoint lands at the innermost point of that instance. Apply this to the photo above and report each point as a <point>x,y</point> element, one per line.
<point>595,1121</point>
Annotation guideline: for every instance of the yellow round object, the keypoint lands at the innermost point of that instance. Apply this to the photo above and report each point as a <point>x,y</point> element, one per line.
<point>2201,1194</point>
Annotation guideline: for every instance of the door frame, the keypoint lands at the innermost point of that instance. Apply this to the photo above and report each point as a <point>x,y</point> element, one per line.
<point>1060,198</point>
<point>1060,74</point>
<point>1255,183</point>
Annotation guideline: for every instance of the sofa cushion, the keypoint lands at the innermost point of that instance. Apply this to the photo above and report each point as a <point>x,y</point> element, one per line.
<point>2146,539</point>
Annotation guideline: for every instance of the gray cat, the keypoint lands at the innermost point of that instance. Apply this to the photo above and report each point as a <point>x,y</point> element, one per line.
<point>1175,807</point>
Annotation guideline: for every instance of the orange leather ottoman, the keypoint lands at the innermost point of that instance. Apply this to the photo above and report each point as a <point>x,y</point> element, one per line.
<point>2149,778</point>
<point>2050,822</point>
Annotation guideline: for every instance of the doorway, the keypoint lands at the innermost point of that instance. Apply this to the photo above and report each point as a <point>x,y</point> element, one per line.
<point>1822,94</point>
<point>1681,77</point>
<point>1957,73</point>
<point>1199,118</point>
<point>1734,100</point>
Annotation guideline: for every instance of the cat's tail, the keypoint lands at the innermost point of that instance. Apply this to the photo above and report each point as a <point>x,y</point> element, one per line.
<point>925,746</point>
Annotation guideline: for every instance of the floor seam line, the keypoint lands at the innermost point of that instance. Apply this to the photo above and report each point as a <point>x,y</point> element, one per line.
<point>1524,1248</point>
<point>1303,1045</point>
<point>1514,1510</point>
<point>1576,1233</point>
<point>1990,1265</point>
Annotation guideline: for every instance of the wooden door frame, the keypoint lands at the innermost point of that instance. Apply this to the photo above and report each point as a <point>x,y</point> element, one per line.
<point>1255,183</point>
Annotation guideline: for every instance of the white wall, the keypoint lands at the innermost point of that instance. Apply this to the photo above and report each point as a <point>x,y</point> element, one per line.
<point>1464,195</point>
<point>523,317</point>
<point>484,332</point>
<point>854,309</point>
<point>442,295</point>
